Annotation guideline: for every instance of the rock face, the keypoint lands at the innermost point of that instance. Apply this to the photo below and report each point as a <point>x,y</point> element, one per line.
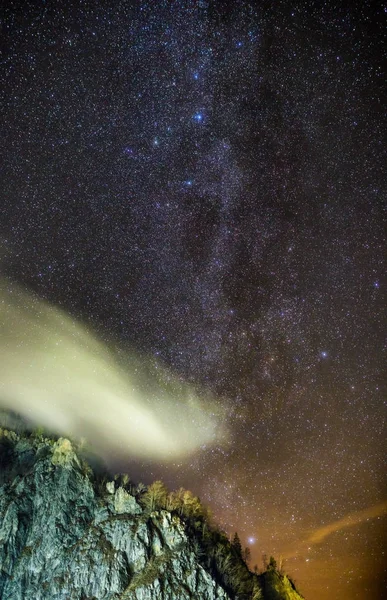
<point>64,536</point>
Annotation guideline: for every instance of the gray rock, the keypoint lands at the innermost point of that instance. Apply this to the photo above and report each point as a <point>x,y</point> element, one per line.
<point>110,486</point>
<point>126,503</point>
<point>65,535</point>
<point>59,539</point>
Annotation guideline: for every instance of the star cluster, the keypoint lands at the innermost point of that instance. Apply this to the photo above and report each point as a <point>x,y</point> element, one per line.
<point>204,182</point>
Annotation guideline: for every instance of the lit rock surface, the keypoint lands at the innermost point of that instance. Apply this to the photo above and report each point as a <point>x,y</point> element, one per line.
<point>64,536</point>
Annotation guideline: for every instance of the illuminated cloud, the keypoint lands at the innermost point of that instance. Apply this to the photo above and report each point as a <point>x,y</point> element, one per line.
<point>57,374</point>
<point>355,518</point>
<point>350,520</point>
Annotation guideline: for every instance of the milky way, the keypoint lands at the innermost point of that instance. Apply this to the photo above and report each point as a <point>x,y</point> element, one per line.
<point>204,182</point>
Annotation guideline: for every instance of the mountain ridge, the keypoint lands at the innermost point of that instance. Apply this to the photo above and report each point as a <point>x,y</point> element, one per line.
<point>69,533</point>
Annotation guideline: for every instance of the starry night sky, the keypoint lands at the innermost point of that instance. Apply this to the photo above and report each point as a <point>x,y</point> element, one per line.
<point>204,182</point>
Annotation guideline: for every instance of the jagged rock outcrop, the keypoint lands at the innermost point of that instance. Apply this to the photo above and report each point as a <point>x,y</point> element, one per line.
<point>65,535</point>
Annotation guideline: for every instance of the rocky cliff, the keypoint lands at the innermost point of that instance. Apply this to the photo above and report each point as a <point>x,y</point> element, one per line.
<point>66,534</point>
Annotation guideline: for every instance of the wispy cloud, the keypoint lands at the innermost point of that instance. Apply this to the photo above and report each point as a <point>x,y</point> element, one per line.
<point>350,520</point>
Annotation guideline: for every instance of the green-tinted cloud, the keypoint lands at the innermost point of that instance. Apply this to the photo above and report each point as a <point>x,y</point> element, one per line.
<point>58,374</point>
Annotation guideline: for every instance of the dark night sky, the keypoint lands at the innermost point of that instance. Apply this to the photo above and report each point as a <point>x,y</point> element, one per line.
<point>206,185</point>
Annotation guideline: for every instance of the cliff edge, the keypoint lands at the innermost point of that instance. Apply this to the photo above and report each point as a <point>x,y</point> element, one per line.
<point>67,534</point>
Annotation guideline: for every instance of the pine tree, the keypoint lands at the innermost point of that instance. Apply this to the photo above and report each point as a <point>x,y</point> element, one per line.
<point>236,544</point>
<point>246,555</point>
<point>272,563</point>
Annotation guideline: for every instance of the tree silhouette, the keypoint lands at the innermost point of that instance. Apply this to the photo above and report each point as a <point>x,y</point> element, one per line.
<point>236,544</point>
<point>272,563</point>
<point>246,555</point>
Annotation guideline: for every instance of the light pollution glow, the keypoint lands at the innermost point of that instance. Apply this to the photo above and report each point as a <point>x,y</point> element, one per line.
<point>55,373</point>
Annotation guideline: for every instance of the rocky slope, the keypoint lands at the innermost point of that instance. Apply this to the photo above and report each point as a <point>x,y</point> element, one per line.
<point>64,534</point>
